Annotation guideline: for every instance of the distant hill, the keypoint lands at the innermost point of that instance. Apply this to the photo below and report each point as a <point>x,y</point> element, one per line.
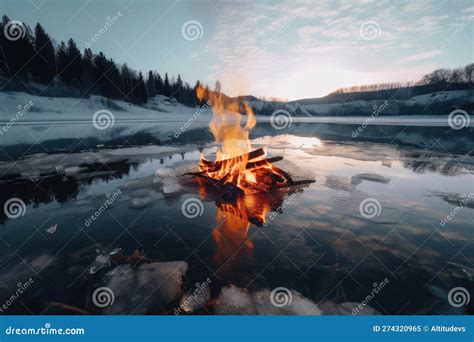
<point>366,104</point>
<point>402,93</point>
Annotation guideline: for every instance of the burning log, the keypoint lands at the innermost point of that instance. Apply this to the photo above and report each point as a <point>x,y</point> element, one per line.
<point>257,176</point>
<point>263,162</point>
<point>211,166</point>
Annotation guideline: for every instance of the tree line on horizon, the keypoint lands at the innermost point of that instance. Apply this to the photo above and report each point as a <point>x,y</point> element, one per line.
<point>438,79</point>
<point>66,71</point>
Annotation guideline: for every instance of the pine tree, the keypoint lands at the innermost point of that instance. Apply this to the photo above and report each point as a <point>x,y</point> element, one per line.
<point>61,59</point>
<point>159,84</point>
<point>167,86</point>
<point>89,73</point>
<point>44,61</point>
<point>16,55</point>
<point>178,89</point>
<point>151,84</point>
<point>140,90</point>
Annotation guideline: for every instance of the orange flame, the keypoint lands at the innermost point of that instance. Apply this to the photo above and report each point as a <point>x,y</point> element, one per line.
<point>232,138</point>
<point>233,154</point>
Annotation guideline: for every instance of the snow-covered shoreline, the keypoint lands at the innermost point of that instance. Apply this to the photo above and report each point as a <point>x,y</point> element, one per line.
<point>66,124</point>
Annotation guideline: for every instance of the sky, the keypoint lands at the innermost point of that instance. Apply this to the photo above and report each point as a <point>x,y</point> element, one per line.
<point>284,49</point>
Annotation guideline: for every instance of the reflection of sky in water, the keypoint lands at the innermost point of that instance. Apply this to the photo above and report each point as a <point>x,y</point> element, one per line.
<point>319,244</point>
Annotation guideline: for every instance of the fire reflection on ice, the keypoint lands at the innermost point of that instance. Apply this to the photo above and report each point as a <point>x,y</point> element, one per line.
<point>234,218</point>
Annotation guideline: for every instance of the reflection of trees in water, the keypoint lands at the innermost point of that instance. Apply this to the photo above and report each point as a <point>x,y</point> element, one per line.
<point>57,187</point>
<point>431,162</point>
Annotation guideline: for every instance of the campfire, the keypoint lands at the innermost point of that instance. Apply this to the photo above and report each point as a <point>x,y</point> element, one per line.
<point>238,170</point>
<point>244,182</point>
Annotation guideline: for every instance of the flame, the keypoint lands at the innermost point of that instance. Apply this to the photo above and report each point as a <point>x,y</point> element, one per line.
<point>234,162</point>
<point>232,138</point>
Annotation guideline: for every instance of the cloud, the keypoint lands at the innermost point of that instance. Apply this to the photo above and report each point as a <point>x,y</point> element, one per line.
<point>296,49</point>
<point>420,56</point>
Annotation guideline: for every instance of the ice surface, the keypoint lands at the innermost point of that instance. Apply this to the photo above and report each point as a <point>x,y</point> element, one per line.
<point>299,305</point>
<point>52,229</point>
<point>195,299</point>
<point>457,199</point>
<point>234,301</point>
<point>237,301</point>
<point>137,290</point>
<point>65,118</point>
<point>370,177</point>
<point>100,262</point>
<point>140,202</point>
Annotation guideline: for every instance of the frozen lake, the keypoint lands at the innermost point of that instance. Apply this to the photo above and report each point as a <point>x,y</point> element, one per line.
<point>319,240</point>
